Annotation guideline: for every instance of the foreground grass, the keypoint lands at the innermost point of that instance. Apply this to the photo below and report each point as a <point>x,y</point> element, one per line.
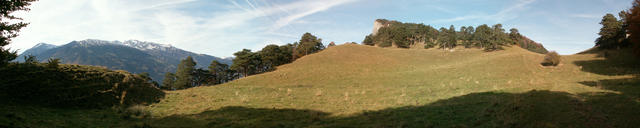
<point>362,86</point>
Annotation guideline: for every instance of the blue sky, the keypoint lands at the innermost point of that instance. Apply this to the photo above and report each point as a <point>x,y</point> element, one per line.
<point>222,27</point>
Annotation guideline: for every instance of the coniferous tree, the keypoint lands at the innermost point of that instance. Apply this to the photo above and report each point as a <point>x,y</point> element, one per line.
<point>442,37</point>
<point>147,78</point>
<point>274,55</point>
<point>202,77</point>
<point>481,36</point>
<point>53,63</point>
<point>10,30</point>
<point>219,71</point>
<point>368,41</point>
<point>246,62</point>
<point>470,31</point>
<point>451,38</point>
<point>169,81</point>
<point>308,44</point>
<point>611,33</point>
<point>184,73</point>
<point>30,59</point>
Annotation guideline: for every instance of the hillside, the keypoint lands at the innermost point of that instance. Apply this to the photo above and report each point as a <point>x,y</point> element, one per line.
<point>364,86</point>
<point>132,55</point>
<point>356,85</point>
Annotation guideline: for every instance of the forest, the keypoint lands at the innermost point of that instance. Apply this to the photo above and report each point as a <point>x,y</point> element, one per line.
<point>406,35</point>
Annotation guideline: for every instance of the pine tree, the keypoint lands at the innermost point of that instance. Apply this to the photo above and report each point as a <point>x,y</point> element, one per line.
<point>219,71</point>
<point>308,44</point>
<point>451,41</point>
<point>10,30</point>
<point>367,40</point>
<point>246,62</point>
<point>481,36</point>
<point>610,33</point>
<point>169,81</point>
<point>184,74</point>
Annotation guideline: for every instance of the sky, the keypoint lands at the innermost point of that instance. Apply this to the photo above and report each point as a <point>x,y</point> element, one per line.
<point>223,27</point>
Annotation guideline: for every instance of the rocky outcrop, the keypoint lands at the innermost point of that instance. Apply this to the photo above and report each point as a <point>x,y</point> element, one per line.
<point>379,23</point>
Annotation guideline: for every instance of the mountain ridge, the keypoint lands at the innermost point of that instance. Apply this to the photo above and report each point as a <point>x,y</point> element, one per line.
<point>131,55</point>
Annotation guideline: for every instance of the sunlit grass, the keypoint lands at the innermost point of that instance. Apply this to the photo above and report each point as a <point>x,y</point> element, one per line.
<point>350,79</point>
<point>364,86</point>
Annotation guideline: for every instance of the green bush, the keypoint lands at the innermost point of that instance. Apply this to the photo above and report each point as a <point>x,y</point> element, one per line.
<point>551,59</point>
<point>53,63</point>
<point>135,111</point>
<point>428,45</point>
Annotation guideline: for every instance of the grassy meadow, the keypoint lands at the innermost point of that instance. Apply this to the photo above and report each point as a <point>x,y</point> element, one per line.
<point>364,86</point>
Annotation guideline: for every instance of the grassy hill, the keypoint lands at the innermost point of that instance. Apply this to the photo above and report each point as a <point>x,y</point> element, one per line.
<point>365,86</point>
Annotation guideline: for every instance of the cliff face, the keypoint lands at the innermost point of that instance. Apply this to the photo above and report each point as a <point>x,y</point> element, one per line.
<point>379,24</point>
<point>376,25</point>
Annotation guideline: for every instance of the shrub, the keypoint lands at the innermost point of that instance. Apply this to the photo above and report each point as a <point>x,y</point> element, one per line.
<point>551,59</point>
<point>53,63</point>
<point>428,45</point>
<point>331,44</point>
<point>136,111</point>
<point>385,43</point>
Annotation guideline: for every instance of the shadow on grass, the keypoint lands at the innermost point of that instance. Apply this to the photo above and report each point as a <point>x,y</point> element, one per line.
<point>489,109</point>
<point>615,62</point>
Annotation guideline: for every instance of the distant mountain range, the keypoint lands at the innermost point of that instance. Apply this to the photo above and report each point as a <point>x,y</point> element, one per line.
<point>131,55</point>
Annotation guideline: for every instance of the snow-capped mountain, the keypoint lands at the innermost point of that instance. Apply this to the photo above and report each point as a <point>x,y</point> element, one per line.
<point>131,55</point>
<point>143,45</point>
<point>37,49</point>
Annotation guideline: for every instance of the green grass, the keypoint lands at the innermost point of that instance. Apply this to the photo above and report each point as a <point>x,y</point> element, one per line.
<point>365,86</point>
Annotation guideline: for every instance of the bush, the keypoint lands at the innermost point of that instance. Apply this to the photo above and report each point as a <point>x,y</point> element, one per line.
<point>331,44</point>
<point>135,111</point>
<point>551,59</point>
<point>428,45</point>
<point>53,63</point>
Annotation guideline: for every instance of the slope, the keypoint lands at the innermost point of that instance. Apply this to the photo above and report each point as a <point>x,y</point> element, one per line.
<point>117,57</point>
<point>365,86</point>
<point>371,86</point>
<point>35,50</point>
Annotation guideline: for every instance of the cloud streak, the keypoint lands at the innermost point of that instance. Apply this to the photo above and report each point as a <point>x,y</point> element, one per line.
<point>586,16</point>
<point>235,23</point>
<point>502,15</point>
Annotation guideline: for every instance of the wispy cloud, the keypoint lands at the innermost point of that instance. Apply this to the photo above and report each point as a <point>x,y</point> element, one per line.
<point>241,24</point>
<point>305,8</point>
<point>291,11</point>
<point>502,15</point>
<point>586,16</point>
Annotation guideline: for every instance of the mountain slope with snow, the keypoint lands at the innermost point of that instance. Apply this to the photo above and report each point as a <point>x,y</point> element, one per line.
<point>131,55</point>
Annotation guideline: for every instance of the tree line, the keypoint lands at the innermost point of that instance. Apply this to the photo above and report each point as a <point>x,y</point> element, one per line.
<point>404,35</point>
<point>245,63</point>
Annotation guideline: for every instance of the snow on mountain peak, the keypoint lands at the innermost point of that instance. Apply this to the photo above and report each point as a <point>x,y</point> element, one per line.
<point>44,45</point>
<point>143,45</point>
